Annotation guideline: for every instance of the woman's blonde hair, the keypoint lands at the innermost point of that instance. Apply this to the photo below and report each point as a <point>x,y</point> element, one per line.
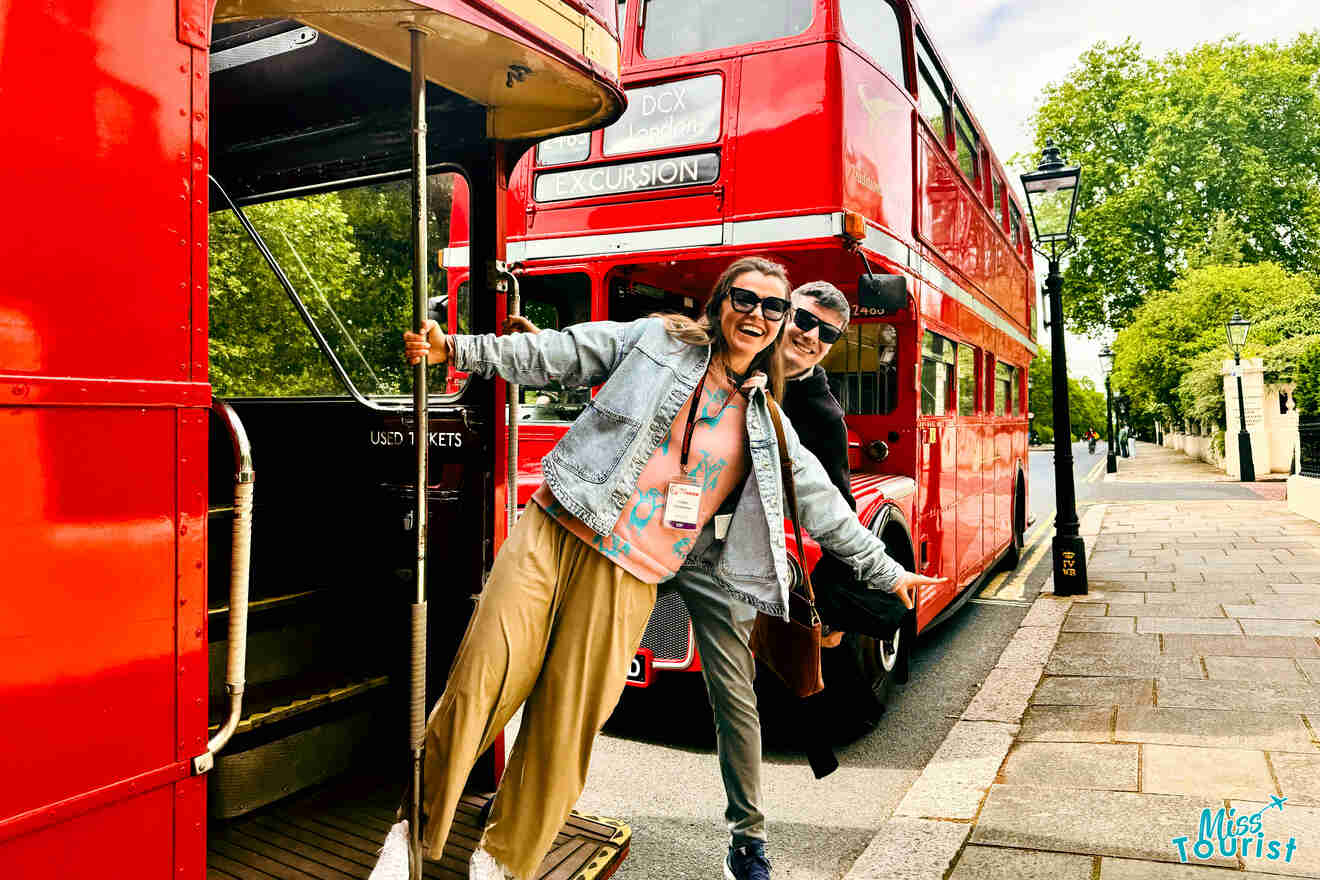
<point>707,331</point>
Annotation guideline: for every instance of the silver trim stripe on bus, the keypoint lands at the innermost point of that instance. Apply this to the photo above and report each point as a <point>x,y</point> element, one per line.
<point>748,232</point>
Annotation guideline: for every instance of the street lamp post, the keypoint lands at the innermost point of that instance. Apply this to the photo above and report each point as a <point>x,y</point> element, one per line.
<point>1237,337</point>
<point>1111,458</point>
<point>1052,198</point>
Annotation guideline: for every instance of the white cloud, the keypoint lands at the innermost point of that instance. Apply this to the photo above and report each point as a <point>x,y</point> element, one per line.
<point>1002,53</point>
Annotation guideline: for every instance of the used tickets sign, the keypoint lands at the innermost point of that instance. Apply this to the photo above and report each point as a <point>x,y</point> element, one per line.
<point>660,173</point>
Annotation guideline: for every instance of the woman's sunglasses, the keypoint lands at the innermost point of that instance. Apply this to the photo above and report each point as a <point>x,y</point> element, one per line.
<point>806,322</point>
<point>745,302</point>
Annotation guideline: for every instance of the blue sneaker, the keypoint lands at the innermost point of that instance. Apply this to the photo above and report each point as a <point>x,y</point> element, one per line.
<point>747,861</point>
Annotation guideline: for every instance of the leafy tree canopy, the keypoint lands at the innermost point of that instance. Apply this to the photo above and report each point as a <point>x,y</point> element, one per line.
<point>1086,405</point>
<point>1174,152</point>
<point>1169,358</point>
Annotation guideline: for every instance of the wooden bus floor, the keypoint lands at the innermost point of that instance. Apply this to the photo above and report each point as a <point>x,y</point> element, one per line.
<point>334,831</point>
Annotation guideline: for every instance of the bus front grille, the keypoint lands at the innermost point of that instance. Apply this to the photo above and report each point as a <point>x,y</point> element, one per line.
<point>668,633</point>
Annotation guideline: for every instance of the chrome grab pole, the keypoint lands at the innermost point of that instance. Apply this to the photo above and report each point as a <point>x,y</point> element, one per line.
<point>417,703</point>
<point>512,391</point>
<point>240,556</point>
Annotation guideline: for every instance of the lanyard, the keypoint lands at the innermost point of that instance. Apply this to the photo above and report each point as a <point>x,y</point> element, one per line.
<point>692,420</point>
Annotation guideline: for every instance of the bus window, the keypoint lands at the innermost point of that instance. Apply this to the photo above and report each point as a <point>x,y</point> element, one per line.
<point>873,25</point>
<point>967,356</point>
<point>933,89</point>
<point>1015,225</point>
<point>999,201</point>
<point>554,302</point>
<point>681,27</point>
<point>1004,389</point>
<point>968,143</point>
<point>937,357</point>
<point>863,370</point>
<point>348,256</point>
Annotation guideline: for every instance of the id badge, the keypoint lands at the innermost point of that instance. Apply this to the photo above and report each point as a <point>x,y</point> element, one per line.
<point>683,504</point>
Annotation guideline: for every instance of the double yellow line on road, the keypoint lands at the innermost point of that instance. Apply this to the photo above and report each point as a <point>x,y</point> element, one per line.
<point>1095,471</point>
<point>1012,585</point>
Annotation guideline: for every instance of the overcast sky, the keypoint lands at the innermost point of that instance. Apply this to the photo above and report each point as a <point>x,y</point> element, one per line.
<point>1002,52</point>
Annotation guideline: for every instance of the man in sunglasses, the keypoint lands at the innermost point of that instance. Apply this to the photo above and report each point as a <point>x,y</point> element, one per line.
<point>820,316</point>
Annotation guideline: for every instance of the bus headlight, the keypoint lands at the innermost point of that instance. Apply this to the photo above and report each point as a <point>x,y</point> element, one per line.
<point>877,450</point>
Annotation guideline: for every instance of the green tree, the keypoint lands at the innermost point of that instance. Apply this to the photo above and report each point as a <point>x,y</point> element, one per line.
<point>1169,358</point>
<point>1173,151</point>
<point>1086,406</point>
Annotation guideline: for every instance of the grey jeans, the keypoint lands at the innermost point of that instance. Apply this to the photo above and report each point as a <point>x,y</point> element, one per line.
<point>722,625</point>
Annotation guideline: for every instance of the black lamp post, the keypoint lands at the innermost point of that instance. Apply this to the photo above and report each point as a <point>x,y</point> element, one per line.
<point>1111,458</point>
<point>1052,197</point>
<point>1237,337</point>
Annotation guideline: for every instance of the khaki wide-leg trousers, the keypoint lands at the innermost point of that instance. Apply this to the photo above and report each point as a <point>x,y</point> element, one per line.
<point>557,626</point>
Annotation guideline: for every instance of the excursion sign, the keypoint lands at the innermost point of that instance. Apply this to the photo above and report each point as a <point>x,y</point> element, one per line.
<point>647,174</point>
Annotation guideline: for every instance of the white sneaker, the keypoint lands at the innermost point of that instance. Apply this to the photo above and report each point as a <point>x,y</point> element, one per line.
<point>484,867</point>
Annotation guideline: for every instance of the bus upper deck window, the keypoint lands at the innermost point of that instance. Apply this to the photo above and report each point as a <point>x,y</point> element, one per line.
<point>863,369</point>
<point>933,90</point>
<point>937,369</point>
<point>873,25</point>
<point>682,27</point>
<point>967,358</point>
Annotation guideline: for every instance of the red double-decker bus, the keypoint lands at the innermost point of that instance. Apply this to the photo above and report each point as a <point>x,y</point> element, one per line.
<point>215,198</point>
<point>800,129</point>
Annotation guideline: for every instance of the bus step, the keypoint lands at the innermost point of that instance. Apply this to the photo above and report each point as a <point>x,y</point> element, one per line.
<point>334,833</point>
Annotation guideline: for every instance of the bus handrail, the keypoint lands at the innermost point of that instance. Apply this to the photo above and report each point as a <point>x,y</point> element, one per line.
<point>239,565</point>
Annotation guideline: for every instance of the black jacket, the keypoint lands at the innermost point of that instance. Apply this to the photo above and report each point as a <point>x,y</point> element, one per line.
<point>818,418</point>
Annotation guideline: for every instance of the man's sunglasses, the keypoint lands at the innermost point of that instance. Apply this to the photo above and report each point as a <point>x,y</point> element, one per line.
<point>745,302</point>
<point>806,322</point>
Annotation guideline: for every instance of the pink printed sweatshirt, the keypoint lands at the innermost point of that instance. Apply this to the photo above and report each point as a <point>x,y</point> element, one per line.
<point>640,543</point>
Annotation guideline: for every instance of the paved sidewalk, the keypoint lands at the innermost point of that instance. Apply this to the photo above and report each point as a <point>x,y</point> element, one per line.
<point>1187,680</point>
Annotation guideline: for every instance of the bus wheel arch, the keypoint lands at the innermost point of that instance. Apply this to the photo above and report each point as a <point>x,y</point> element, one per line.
<point>1019,526</point>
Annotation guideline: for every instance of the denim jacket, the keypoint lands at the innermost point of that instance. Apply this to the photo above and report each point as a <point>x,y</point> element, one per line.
<point>647,376</point>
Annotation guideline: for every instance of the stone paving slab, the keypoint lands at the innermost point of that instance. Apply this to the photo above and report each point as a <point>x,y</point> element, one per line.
<point>996,863</point>
<point>1240,646</point>
<point>1067,690</point>
<point>1107,823</point>
<point>1210,594</point>
<point>957,776</point>
<point>1186,608</point>
<point>1253,696</point>
<point>1312,669</point>
<point>1302,589</point>
<point>1254,669</point>
<point>1213,729</point>
<point>1206,773</point>
<point>1093,623</point>
<point>1194,625</point>
<point>1114,597</point>
<point>1067,724</point>
<point>1303,628</point>
<point>1130,869</point>
<point>1281,610</point>
<point>1075,765</point>
<point>1147,645</point>
<point>910,849</point>
<point>1299,777</point>
<point>1295,822</point>
<point>1088,609</point>
<point>1123,666</point>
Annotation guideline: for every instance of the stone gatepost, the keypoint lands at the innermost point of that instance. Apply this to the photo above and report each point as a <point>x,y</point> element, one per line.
<point>1253,393</point>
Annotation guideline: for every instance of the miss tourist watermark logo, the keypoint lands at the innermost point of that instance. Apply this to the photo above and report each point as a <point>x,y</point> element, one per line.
<point>1222,833</point>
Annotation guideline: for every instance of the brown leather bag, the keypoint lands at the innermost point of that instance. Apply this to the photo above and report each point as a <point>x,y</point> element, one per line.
<point>791,648</point>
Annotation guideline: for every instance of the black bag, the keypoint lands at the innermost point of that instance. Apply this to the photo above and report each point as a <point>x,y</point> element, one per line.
<point>847,604</point>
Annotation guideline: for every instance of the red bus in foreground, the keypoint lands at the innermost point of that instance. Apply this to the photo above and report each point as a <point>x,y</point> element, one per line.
<point>125,304</point>
<point>799,130</point>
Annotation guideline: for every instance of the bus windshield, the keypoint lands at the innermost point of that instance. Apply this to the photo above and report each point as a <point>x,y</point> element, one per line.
<point>863,369</point>
<point>682,27</point>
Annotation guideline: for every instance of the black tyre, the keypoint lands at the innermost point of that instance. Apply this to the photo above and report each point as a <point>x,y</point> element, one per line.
<point>1014,555</point>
